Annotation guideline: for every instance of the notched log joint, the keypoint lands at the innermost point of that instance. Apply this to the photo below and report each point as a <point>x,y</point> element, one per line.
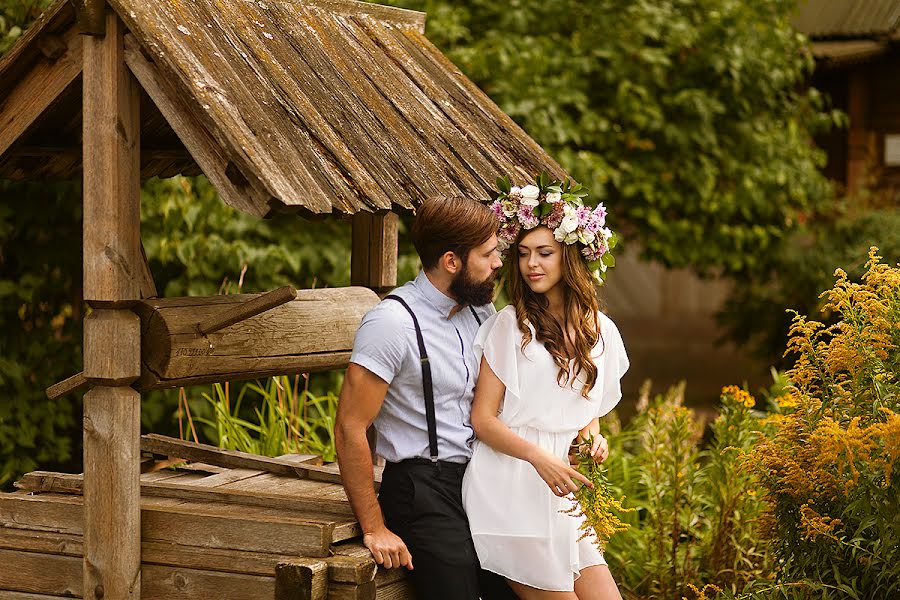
<point>91,16</point>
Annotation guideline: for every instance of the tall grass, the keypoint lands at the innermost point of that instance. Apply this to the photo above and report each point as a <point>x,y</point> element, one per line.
<point>269,418</point>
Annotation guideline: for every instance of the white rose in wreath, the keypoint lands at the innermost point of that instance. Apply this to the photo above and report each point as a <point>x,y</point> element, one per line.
<point>530,195</point>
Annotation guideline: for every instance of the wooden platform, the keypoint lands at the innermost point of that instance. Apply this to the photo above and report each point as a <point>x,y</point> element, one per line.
<point>228,527</point>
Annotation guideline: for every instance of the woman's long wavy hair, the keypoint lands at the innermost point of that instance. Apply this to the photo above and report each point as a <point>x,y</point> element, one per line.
<point>580,314</point>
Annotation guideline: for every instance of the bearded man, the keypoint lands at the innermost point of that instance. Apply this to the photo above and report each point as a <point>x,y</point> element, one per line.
<point>412,374</point>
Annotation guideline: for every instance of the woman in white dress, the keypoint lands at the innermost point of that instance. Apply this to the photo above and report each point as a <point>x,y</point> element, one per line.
<point>550,367</point>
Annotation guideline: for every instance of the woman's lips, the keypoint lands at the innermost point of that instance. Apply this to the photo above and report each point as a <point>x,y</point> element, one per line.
<point>535,276</point>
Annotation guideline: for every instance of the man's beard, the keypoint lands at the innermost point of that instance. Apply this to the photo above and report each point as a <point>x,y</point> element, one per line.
<point>468,291</point>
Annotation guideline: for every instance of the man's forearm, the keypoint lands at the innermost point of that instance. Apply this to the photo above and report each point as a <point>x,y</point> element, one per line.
<point>356,472</point>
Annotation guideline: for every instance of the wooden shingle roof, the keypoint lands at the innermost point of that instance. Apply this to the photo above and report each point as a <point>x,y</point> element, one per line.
<point>310,105</point>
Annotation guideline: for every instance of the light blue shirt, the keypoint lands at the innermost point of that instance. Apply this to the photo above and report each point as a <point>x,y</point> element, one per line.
<point>386,345</point>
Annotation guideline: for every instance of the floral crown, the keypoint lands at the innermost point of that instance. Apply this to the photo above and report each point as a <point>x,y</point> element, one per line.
<point>559,205</point>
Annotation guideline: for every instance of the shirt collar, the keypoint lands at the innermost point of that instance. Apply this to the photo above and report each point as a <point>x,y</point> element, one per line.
<point>442,302</point>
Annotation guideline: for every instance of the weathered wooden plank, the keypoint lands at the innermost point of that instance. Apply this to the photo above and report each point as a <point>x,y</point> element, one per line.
<point>373,257</point>
<point>178,583</point>
<point>238,36</point>
<point>7,595</point>
<point>112,517</point>
<point>437,133</point>
<point>226,94</point>
<point>229,527</point>
<point>388,136</point>
<point>351,591</point>
<point>400,590</point>
<point>301,579</point>
<point>47,512</point>
<point>313,332</point>
<point>369,131</point>
<point>60,576</point>
<point>112,347</point>
<point>357,552</point>
<point>34,573</point>
<point>37,90</point>
<point>244,193</point>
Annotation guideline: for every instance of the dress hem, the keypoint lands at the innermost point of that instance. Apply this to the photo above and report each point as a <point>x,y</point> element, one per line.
<point>576,575</point>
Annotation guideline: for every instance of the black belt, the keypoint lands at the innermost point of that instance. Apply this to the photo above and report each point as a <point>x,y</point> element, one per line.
<point>428,387</point>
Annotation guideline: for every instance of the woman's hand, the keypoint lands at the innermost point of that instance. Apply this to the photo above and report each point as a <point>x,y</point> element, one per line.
<point>599,444</point>
<point>556,473</point>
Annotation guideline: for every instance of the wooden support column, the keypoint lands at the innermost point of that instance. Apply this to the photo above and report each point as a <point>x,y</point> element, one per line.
<point>858,135</point>
<point>113,269</point>
<point>373,259</point>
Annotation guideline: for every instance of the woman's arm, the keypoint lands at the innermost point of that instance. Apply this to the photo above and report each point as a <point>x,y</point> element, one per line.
<point>489,391</point>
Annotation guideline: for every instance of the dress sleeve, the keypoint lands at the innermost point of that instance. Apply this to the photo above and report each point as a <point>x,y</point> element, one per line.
<point>612,363</point>
<point>497,341</point>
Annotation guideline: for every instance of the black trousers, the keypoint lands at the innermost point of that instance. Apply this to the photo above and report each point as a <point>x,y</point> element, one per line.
<point>422,503</point>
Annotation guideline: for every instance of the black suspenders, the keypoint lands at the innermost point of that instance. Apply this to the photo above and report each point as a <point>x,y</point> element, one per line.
<point>426,377</point>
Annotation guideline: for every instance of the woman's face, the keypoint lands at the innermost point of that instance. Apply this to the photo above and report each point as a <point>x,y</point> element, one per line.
<point>540,260</point>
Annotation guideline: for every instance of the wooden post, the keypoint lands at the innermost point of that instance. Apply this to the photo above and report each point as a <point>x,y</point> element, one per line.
<point>373,259</point>
<point>857,134</point>
<point>112,282</point>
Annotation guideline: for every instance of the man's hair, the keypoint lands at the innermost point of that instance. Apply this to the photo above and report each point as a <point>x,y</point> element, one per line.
<point>453,224</point>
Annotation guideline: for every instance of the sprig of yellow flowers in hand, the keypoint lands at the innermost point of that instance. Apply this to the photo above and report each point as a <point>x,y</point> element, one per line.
<point>597,505</point>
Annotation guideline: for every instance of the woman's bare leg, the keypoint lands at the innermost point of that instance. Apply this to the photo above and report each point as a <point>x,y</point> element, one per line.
<point>526,592</point>
<point>596,583</point>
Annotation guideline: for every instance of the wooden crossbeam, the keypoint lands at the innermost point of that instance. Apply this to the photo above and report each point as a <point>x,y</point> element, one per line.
<point>65,483</point>
<point>233,459</point>
<point>39,88</point>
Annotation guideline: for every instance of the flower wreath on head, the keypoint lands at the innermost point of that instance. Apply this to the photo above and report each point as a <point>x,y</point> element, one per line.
<point>558,205</point>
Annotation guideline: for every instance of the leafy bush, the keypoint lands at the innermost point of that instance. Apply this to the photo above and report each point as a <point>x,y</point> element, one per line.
<point>829,465</point>
<point>696,503</point>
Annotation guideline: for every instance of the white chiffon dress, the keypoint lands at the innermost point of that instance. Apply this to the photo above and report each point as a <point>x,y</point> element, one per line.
<point>516,523</point>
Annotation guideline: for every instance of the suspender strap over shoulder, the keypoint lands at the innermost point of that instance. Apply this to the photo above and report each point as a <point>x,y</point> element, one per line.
<point>426,380</point>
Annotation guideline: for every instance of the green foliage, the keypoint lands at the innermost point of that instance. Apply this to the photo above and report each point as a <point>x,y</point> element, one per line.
<point>803,265</point>
<point>282,419</point>
<point>687,118</point>
<point>15,17</point>
<point>696,503</point>
<point>41,312</point>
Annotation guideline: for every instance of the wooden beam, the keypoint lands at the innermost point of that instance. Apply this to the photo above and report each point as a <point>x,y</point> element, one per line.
<point>373,259</point>
<point>301,579</point>
<point>233,459</point>
<point>67,386</point>
<point>241,193</point>
<point>312,332</point>
<point>64,483</point>
<point>859,137</point>
<point>203,525</point>
<point>112,266</point>
<point>38,89</point>
<point>91,16</point>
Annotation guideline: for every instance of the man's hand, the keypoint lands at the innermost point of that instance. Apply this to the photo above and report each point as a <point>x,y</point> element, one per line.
<point>388,549</point>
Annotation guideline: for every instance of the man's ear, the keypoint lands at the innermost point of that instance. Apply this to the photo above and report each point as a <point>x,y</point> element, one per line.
<point>450,262</point>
